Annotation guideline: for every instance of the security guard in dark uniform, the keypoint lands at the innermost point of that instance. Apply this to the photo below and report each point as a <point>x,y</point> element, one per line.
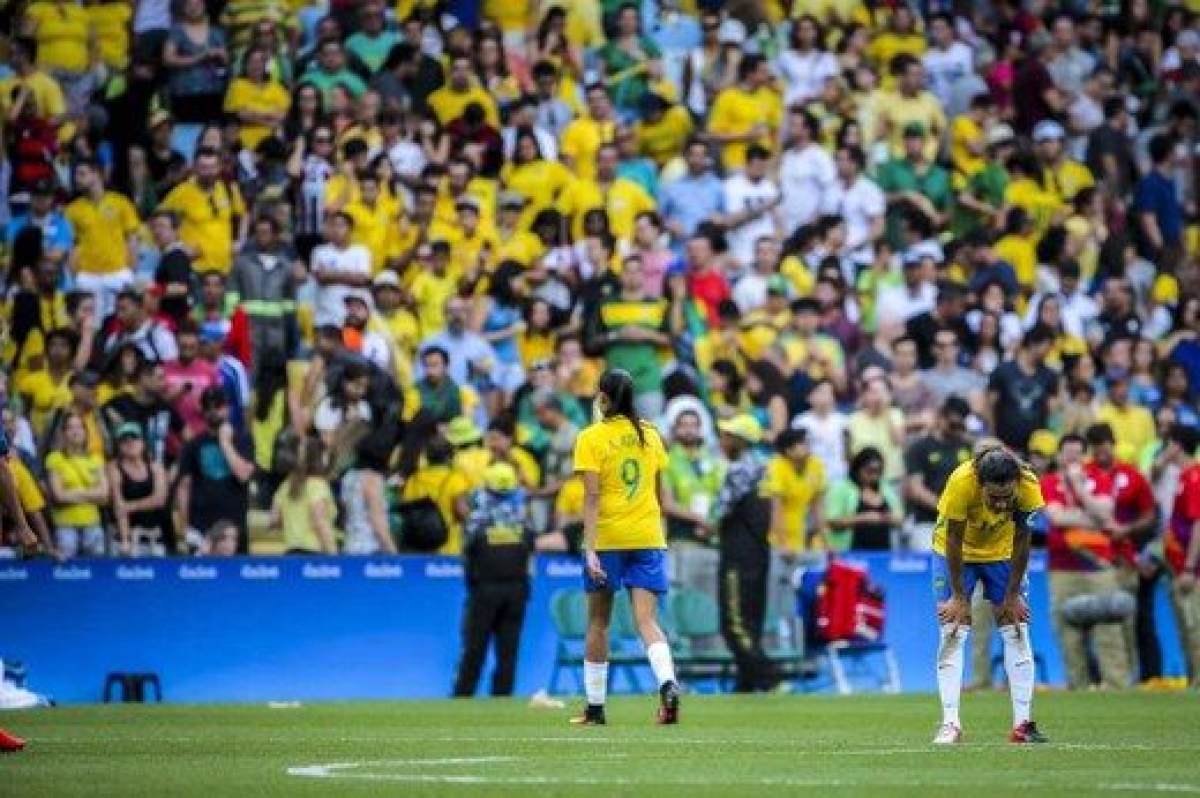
<point>497,544</point>
<point>743,520</point>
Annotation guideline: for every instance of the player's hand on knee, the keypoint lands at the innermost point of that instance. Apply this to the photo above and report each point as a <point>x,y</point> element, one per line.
<point>954,610</point>
<point>1014,610</point>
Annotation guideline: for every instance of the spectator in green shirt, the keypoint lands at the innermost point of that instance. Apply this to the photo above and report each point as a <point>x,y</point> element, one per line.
<point>913,181</point>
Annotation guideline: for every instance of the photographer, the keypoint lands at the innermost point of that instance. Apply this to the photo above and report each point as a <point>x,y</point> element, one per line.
<point>214,472</point>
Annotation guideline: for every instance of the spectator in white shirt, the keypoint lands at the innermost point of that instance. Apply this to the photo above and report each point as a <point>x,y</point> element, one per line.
<point>338,268</point>
<point>948,60</point>
<point>914,297</point>
<point>751,203</point>
<point>861,203</point>
<point>807,175</point>
<point>806,64</point>
<point>750,293</point>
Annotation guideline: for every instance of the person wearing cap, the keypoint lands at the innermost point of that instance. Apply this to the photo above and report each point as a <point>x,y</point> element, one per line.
<point>470,455</point>
<point>231,374</point>
<point>106,226</point>
<point>497,544</point>
<point>396,323</point>
<point>913,183</point>
<point>141,497</point>
<point>78,489</point>
<point>215,469</point>
<point>749,112</point>
<point>909,106</point>
<point>1061,175</point>
<point>263,284</point>
<point>1081,560</point>
<point>212,211</point>
<point>743,516</point>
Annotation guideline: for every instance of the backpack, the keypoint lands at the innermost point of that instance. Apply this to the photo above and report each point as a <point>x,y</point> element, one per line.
<point>842,604</point>
<point>422,528</point>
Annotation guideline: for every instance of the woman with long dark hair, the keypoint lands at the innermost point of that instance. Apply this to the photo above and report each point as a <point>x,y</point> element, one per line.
<point>620,459</point>
<point>861,510</point>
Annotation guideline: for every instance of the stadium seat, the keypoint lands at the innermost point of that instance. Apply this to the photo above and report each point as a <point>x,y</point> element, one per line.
<point>694,625</point>
<point>132,687</point>
<point>568,613</point>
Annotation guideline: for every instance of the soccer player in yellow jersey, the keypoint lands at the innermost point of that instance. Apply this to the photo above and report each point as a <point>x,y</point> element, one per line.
<point>986,513</point>
<point>620,459</point>
<point>11,502</point>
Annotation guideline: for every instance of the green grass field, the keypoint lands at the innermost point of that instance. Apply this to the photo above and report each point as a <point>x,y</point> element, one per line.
<point>1102,743</point>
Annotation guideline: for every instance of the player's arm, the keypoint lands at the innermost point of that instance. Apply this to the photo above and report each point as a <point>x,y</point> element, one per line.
<point>591,520</point>
<point>955,533</point>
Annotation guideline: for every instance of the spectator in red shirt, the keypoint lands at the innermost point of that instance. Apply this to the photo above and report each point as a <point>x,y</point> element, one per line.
<point>1182,545</point>
<point>1134,524</point>
<point>1082,562</point>
<point>707,282</point>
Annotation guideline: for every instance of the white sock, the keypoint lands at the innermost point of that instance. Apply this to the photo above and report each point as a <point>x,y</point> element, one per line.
<point>1018,664</point>
<point>950,669</point>
<point>661,663</point>
<point>595,682</point>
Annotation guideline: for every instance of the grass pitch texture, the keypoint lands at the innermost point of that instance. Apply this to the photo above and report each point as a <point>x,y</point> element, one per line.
<point>1103,744</point>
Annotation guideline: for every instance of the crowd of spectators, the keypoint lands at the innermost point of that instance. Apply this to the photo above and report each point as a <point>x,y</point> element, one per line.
<point>330,261</point>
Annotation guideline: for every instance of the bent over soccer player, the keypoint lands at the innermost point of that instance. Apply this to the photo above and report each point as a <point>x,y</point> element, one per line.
<point>620,459</point>
<point>985,515</point>
<point>20,525</point>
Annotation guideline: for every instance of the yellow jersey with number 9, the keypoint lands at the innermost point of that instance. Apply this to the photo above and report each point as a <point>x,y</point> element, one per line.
<point>989,535</point>
<point>629,513</point>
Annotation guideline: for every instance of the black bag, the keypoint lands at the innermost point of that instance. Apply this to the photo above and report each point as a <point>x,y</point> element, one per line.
<point>422,528</point>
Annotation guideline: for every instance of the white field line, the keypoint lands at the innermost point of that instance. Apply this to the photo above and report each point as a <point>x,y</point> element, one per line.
<point>353,771</point>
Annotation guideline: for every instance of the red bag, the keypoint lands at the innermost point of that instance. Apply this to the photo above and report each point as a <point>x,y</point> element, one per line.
<point>849,606</point>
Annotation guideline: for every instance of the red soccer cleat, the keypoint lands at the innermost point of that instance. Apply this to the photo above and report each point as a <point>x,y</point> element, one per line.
<point>1027,733</point>
<point>668,710</point>
<point>10,744</point>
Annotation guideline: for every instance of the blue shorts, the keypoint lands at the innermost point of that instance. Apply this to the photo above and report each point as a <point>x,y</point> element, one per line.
<point>644,568</point>
<point>994,576</point>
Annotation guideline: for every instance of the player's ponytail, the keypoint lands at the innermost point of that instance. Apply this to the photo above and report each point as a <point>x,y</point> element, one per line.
<point>617,387</point>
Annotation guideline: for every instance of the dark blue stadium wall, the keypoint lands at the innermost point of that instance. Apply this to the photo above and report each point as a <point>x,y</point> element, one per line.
<point>285,629</point>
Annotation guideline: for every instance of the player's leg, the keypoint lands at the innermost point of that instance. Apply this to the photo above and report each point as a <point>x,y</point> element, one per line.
<point>1018,654</point>
<point>647,581</point>
<point>595,654</point>
<point>510,619</point>
<point>476,631</point>
<point>952,643</point>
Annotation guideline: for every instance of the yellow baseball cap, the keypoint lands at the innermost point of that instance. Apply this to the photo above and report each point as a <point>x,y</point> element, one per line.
<point>1043,442</point>
<point>744,426</point>
<point>1165,290</point>
<point>501,478</point>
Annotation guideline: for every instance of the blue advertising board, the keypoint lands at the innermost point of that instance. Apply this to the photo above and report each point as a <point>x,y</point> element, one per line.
<point>312,629</point>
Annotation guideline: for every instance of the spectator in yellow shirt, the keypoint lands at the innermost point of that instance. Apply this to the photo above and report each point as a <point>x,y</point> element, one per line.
<point>621,199</point>
<point>259,102</point>
<point>663,131</point>
<point>209,209</point>
<point>583,137</point>
<point>106,238</point>
<point>910,104</point>
<point>1132,425</point>
<point>376,223</point>
<point>63,34</point>
<point>1061,175</point>
<point>46,93</point>
<point>449,102</point>
<point>901,37</point>
<point>745,114</point>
